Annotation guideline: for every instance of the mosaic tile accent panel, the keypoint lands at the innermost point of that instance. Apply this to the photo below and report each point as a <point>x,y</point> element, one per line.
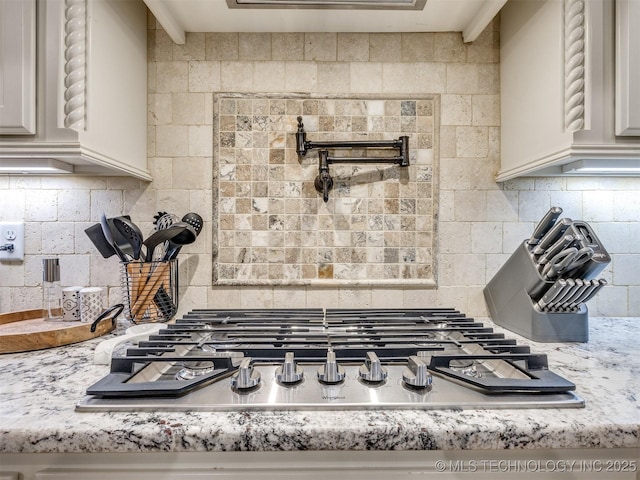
<point>271,226</point>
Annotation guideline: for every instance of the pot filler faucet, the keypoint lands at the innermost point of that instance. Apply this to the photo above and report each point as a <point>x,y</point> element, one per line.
<point>324,182</point>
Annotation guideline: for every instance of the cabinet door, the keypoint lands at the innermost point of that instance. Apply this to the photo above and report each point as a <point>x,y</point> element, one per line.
<point>627,67</point>
<point>17,67</point>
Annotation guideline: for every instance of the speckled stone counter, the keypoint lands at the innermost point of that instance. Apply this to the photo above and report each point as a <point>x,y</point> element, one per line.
<point>39,390</point>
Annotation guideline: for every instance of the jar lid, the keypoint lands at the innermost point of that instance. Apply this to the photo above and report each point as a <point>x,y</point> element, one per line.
<point>75,288</point>
<point>51,269</point>
<point>91,290</point>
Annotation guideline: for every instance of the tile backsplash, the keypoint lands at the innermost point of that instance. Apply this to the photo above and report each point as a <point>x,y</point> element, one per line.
<point>271,226</point>
<point>479,222</point>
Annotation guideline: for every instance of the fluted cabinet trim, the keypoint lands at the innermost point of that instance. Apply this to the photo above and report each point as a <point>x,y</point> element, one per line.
<point>75,28</point>
<point>574,65</point>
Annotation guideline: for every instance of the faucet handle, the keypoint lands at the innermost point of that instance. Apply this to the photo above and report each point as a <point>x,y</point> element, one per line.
<point>324,184</point>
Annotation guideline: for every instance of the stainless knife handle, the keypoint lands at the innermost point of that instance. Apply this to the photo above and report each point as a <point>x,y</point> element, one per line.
<point>566,291</point>
<point>555,249</point>
<point>551,294</point>
<point>561,294</point>
<point>544,225</point>
<point>552,235</point>
<point>589,285</point>
<point>573,294</point>
<point>600,283</point>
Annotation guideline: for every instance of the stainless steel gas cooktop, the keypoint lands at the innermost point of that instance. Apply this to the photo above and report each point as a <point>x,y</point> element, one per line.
<point>272,359</point>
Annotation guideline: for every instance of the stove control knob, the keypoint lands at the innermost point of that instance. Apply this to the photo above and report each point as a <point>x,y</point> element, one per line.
<point>372,371</point>
<point>415,375</point>
<point>246,377</point>
<point>331,373</point>
<point>289,372</point>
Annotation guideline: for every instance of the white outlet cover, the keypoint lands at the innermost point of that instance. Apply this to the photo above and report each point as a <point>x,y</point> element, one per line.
<point>12,233</point>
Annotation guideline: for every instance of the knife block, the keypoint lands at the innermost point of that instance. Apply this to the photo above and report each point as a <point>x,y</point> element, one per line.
<point>509,296</point>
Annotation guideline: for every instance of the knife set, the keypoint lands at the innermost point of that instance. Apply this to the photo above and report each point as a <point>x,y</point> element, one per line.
<point>150,290</point>
<point>542,289</point>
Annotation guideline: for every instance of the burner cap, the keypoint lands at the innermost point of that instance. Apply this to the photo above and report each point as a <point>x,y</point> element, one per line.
<point>466,367</point>
<point>191,370</point>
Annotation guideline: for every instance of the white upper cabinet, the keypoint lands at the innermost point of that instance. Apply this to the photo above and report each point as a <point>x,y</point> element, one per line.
<point>628,67</point>
<point>18,67</point>
<point>562,88</point>
<point>91,90</point>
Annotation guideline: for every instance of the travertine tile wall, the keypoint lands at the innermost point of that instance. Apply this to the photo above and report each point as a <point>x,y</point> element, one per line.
<point>480,222</point>
<point>272,227</point>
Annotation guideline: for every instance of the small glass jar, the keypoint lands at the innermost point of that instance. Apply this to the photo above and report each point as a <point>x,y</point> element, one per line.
<point>51,289</point>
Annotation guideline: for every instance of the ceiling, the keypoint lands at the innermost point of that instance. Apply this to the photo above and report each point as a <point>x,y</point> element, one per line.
<point>467,16</point>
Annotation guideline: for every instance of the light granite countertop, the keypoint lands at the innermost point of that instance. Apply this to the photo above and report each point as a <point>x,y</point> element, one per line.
<point>39,391</point>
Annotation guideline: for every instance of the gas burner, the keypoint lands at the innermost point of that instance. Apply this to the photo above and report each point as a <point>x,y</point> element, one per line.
<point>441,325</point>
<point>461,364</point>
<point>468,368</point>
<point>425,336</point>
<point>191,370</point>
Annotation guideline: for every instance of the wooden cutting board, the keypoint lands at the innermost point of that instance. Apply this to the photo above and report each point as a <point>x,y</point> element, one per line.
<point>27,330</point>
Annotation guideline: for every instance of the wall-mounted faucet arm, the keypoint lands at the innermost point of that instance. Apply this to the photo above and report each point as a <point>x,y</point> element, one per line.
<point>399,160</point>
<point>323,181</point>
<point>402,144</point>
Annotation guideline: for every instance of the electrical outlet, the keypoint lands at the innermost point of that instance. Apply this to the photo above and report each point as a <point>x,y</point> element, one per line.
<point>12,241</point>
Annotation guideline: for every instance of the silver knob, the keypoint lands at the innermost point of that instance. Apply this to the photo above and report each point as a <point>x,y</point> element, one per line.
<point>372,371</point>
<point>415,374</point>
<point>331,372</point>
<point>289,372</point>
<point>246,377</point>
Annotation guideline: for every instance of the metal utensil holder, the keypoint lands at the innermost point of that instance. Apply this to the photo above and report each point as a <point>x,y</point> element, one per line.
<point>509,296</point>
<point>150,290</point>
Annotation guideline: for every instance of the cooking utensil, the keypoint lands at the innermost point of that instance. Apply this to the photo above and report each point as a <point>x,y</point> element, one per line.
<point>571,285</point>
<point>572,303</point>
<point>160,236</point>
<point>165,220</point>
<point>195,221</point>
<point>555,249</point>
<point>559,263</point>
<point>550,295</point>
<point>583,256</point>
<point>570,296</point>
<point>131,234</point>
<point>162,221</point>
<point>552,235</point>
<point>544,225</point>
<point>96,235</point>
<point>164,302</point>
<point>108,235</point>
<point>597,285</point>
